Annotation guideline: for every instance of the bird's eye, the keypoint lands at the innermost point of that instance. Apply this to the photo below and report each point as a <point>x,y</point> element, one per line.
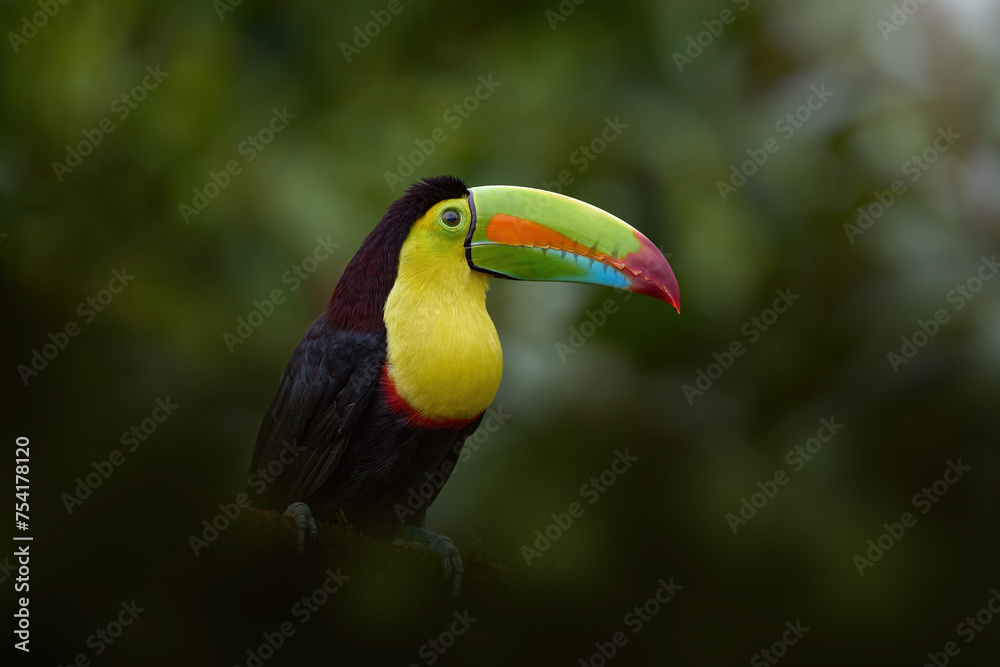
<point>450,217</point>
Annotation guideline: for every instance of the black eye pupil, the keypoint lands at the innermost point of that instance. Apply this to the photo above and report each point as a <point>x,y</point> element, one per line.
<point>450,217</point>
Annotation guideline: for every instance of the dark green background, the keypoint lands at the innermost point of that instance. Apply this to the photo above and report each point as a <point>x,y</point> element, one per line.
<point>325,176</point>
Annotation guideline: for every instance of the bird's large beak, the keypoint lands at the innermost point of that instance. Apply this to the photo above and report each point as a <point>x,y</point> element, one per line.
<point>529,234</point>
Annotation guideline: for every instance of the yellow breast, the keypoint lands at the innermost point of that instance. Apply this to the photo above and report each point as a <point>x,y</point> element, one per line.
<point>443,351</point>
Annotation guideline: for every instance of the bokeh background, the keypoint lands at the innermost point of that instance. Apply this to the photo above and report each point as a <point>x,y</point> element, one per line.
<point>691,87</point>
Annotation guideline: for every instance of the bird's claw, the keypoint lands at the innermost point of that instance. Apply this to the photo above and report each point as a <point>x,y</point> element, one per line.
<point>304,522</point>
<point>451,560</point>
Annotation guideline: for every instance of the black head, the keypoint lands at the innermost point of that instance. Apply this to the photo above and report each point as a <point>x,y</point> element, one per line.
<point>360,295</point>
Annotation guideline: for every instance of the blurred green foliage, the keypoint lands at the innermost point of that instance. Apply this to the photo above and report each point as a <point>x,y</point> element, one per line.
<point>699,92</point>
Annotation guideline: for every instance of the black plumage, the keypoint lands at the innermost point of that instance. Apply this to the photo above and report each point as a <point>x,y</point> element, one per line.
<point>353,449</point>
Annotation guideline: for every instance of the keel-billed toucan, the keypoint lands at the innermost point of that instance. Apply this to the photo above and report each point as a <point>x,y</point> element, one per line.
<point>385,386</point>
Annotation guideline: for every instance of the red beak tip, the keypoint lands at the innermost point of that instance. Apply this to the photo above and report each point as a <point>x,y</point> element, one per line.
<point>673,300</point>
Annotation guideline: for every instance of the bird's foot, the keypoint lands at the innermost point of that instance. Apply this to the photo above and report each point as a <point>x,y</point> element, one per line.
<point>304,522</point>
<point>451,561</point>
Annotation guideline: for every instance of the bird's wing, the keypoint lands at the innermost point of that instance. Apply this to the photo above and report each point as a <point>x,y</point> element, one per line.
<point>325,388</point>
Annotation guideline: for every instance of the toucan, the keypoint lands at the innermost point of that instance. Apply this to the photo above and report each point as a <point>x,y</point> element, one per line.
<point>386,385</point>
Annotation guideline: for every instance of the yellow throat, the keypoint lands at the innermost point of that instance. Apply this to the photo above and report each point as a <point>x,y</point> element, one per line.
<point>443,351</point>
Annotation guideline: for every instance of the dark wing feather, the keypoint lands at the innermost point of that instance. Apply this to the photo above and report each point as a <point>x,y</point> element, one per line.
<point>447,466</point>
<point>325,388</point>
